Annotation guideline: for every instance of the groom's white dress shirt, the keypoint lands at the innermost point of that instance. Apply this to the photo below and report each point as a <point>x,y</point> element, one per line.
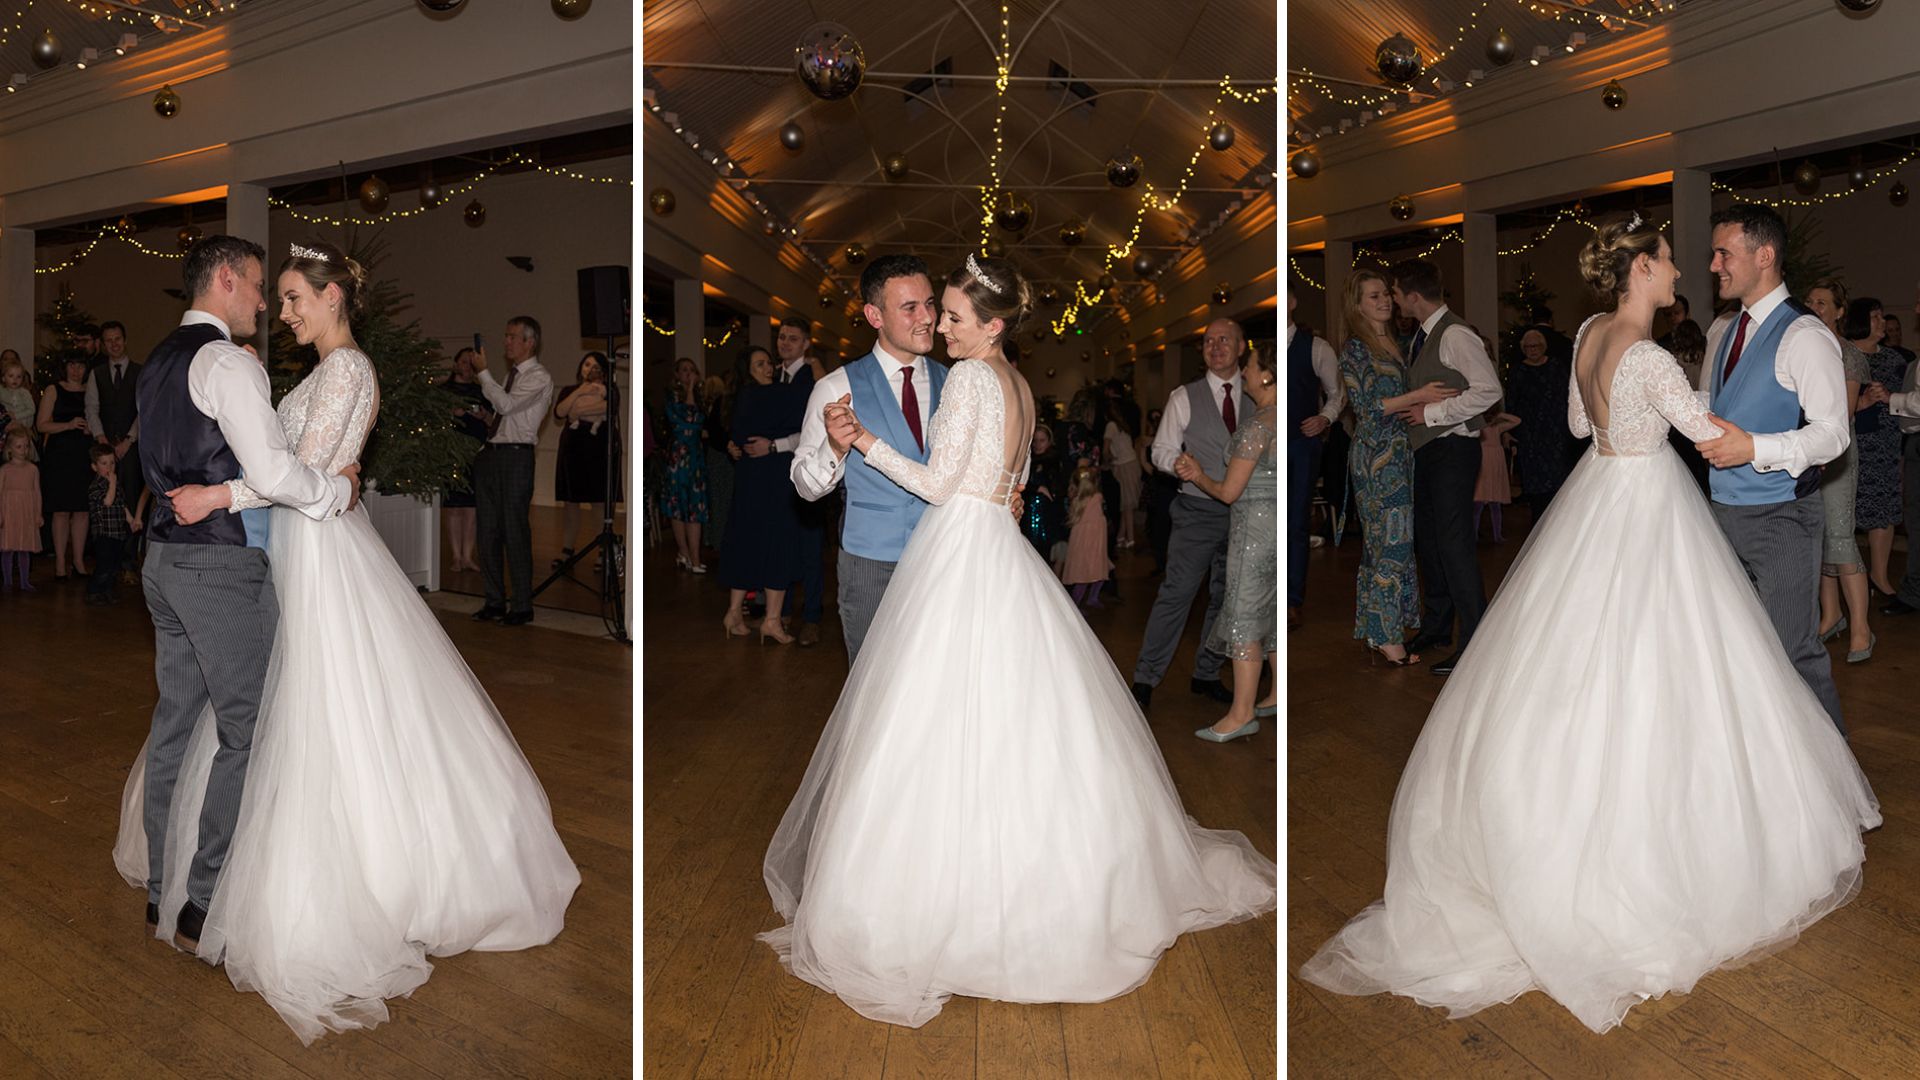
<point>816,469</point>
<point>230,387</point>
<point>1806,363</point>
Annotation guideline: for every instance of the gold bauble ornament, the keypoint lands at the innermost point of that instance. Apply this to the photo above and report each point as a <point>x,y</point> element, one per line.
<point>571,9</point>
<point>661,201</point>
<point>166,103</point>
<point>475,214</point>
<point>374,195</point>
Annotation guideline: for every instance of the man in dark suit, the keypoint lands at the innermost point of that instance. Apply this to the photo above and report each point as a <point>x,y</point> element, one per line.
<point>113,414</point>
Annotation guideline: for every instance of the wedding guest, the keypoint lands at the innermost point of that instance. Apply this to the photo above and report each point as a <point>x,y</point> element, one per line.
<point>1678,316</point>
<point>503,474</point>
<point>1119,441</point>
<point>1841,570</point>
<point>1876,503</point>
<point>1494,488</point>
<point>1902,399</point>
<point>16,397</point>
<point>1374,371</point>
<point>64,467</point>
<point>112,525</point>
<point>1314,398</point>
<point>1892,340</point>
<point>20,514</point>
<point>113,415</point>
<point>580,464</point>
<point>1159,489</point>
<point>1200,417</point>
<point>1042,521</point>
<point>1086,567</point>
<point>1544,449</point>
<point>1446,454</point>
<point>1245,633</point>
<point>761,550</point>
<point>799,370</point>
<point>716,400</point>
<point>86,342</point>
<point>470,418</point>
<point>687,501</point>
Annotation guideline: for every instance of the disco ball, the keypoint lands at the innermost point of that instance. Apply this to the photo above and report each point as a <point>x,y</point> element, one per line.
<point>829,61</point>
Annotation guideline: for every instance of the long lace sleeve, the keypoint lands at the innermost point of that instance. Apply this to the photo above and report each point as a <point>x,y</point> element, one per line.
<point>1577,421</point>
<point>243,497</point>
<point>950,435</point>
<point>336,387</point>
<point>1668,392</point>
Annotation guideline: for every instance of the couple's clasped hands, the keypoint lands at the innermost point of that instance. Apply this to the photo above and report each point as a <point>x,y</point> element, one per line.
<point>192,503</point>
<point>844,430</point>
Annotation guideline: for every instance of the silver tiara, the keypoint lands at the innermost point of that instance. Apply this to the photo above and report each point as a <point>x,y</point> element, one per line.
<point>1635,223</point>
<point>980,275</point>
<point>300,252</point>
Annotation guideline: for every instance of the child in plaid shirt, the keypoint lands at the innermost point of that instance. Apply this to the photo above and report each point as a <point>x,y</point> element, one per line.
<point>112,525</point>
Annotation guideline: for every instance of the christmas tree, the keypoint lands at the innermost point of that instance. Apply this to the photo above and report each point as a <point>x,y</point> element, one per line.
<point>65,319</point>
<point>415,448</point>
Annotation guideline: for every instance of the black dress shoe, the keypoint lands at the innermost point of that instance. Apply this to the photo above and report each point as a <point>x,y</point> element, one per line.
<point>516,618</point>
<point>153,918</point>
<point>1444,666</point>
<point>1897,606</point>
<point>187,927</point>
<point>1211,688</point>
<point>490,613</point>
<point>1423,641</point>
<point>1143,694</point>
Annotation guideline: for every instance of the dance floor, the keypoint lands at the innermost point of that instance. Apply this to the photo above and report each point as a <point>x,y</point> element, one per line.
<point>729,728</point>
<point>84,992</point>
<point>1843,1001</point>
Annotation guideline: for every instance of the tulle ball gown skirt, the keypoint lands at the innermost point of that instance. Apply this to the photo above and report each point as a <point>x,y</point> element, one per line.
<point>388,815</point>
<point>1624,786</point>
<point>986,813</point>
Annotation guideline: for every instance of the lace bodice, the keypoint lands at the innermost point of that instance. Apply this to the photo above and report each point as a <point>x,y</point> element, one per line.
<point>326,418</point>
<point>1646,393</point>
<point>968,440</point>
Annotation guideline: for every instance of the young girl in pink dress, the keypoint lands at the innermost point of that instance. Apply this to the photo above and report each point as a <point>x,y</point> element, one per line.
<point>1495,486</point>
<point>20,517</point>
<point>1087,566</point>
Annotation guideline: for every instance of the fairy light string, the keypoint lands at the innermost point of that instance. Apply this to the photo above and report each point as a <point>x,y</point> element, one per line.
<point>666,331</point>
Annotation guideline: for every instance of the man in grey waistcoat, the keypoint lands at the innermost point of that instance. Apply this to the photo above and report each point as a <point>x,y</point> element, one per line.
<point>206,417</point>
<point>1446,459</point>
<point>1778,392</point>
<point>1199,419</point>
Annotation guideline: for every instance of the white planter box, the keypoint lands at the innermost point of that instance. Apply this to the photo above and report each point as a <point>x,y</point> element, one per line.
<point>411,529</point>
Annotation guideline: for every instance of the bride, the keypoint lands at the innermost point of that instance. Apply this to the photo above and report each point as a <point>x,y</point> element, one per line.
<point>388,814</point>
<point>986,813</point>
<point>1625,785</point>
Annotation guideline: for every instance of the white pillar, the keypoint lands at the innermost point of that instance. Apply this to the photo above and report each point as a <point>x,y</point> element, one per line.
<point>1481,269</point>
<point>1339,267</point>
<point>16,294</point>
<point>760,332</point>
<point>247,219</point>
<point>690,322</point>
<point>1692,237</point>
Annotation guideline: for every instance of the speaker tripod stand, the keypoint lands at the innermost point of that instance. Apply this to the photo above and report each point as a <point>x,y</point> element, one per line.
<point>611,545</point>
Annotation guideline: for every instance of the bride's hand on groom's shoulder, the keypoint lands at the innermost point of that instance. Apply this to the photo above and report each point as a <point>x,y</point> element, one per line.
<point>1732,449</point>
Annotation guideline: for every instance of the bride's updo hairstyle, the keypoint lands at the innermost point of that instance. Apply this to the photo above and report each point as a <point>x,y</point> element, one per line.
<point>322,264</point>
<point>996,291</point>
<point>1608,257</point>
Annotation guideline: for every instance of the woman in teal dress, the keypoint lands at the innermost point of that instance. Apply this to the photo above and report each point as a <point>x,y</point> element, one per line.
<point>1243,632</point>
<point>1387,588</point>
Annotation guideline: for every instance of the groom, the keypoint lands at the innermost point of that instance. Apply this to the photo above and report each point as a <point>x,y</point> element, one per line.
<point>1777,390</point>
<point>894,390</point>
<point>206,416</point>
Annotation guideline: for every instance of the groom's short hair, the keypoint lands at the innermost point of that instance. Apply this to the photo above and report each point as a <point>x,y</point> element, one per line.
<point>1762,226</point>
<point>884,269</point>
<point>205,259</point>
<point>1419,276</point>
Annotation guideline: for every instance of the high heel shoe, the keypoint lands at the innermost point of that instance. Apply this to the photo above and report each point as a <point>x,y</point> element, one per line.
<point>1251,727</point>
<point>777,633</point>
<point>1866,654</point>
<point>680,562</point>
<point>735,626</point>
<point>1833,631</point>
<point>1376,653</point>
<point>694,568</point>
<point>1261,712</point>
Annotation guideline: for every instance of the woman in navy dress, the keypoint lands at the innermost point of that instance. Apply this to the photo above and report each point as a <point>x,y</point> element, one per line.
<point>762,546</point>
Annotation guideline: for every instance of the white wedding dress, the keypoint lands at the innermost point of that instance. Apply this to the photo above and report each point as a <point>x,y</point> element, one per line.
<point>1625,785</point>
<point>986,813</point>
<point>388,813</point>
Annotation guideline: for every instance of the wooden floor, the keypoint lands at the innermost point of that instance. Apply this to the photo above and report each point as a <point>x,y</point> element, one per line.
<point>579,591</point>
<point>85,992</point>
<point>729,729</point>
<point>1844,1001</point>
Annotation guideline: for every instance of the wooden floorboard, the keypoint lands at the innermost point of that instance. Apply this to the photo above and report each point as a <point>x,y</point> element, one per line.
<point>84,992</point>
<point>729,727</point>
<point>1843,1001</point>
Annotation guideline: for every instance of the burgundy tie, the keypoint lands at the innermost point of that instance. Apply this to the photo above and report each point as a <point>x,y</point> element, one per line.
<point>910,406</point>
<point>1226,409</point>
<point>1739,341</point>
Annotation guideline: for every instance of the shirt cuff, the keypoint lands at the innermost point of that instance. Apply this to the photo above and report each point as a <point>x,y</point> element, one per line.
<point>1770,453</point>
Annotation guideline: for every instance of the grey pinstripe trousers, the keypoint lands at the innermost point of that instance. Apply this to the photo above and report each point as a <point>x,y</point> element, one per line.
<point>214,617</point>
<point>1779,545</point>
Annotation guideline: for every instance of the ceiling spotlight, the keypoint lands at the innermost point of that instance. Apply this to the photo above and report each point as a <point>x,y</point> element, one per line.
<point>1475,76</point>
<point>87,56</point>
<point>1540,53</point>
<point>127,41</point>
<point>1445,86</point>
<point>1575,40</point>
